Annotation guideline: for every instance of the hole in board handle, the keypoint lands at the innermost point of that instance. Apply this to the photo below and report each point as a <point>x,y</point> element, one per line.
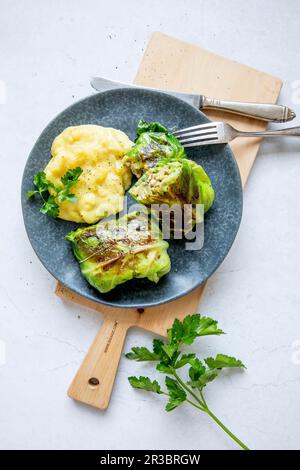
<point>93,382</point>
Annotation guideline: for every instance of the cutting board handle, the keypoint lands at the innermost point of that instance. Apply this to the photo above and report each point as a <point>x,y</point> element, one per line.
<point>94,380</point>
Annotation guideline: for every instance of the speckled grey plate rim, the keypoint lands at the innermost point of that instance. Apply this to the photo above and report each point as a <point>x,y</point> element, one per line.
<point>133,304</point>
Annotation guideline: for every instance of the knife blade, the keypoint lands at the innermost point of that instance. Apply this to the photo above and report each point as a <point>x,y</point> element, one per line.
<point>264,111</point>
<point>103,84</point>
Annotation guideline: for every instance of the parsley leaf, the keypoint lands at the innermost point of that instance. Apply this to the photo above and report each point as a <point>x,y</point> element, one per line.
<point>65,195</point>
<point>191,327</point>
<point>177,394</point>
<point>208,326</point>
<point>203,379</point>
<point>58,193</point>
<point>196,370</point>
<point>142,354</point>
<point>185,359</point>
<point>164,368</point>
<point>71,177</point>
<point>158,346</point>
<point>170,350</point>
<point>221,361</point>
<point>41,183</point>
<point>199,375</point>
<point>145,383</point>
<point>29,194</point>
<point>50,207</point>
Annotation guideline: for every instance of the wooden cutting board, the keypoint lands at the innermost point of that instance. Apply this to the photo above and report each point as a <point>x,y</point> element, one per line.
<point>169,63</point>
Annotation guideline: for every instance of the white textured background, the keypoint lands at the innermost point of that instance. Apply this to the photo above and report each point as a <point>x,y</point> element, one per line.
<point>48,50</point>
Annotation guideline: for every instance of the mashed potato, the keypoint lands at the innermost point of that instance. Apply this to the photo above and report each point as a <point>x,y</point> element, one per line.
<point>101,187</point>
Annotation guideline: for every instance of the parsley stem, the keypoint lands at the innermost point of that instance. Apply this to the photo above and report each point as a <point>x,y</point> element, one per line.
<point>41,194</point>
<point>202,396</point>
<point>205,409</point>
<point>196,406</point>
<point>188,390</point>
<point>236,439</point>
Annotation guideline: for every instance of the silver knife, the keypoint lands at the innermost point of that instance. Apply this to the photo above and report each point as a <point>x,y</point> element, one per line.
<point>262,111</point>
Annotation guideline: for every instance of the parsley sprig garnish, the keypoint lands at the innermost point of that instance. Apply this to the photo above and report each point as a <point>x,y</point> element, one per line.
<point>170,359</point>
<point>50,202</point>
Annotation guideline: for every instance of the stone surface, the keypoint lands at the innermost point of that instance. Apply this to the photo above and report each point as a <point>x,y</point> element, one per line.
<point>48,52</point>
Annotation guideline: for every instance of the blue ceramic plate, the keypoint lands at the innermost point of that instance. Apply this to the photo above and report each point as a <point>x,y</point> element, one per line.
<point>122,109</point>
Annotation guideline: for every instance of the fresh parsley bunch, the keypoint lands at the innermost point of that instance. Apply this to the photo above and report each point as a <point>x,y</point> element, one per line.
<point>58,194</point>
<point>170,359</point>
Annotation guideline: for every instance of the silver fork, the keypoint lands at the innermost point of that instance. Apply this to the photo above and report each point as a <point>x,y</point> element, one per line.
<point>222,133</point>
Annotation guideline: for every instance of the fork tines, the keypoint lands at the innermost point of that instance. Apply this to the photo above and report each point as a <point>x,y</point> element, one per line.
<point>197,135</point>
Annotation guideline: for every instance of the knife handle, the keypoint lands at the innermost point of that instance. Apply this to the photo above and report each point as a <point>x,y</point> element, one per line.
<point>263,111</point>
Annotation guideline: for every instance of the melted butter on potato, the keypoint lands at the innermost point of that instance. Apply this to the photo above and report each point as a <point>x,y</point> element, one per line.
<point>101,187</point>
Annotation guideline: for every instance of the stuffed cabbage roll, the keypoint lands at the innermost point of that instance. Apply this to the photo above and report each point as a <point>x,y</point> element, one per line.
<point>114,252</point>
<point>153,142</point>
<point>174,183</point>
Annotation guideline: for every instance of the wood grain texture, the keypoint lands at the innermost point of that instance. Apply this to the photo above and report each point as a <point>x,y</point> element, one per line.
<point>155,319</point>
<point>172,64</point>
